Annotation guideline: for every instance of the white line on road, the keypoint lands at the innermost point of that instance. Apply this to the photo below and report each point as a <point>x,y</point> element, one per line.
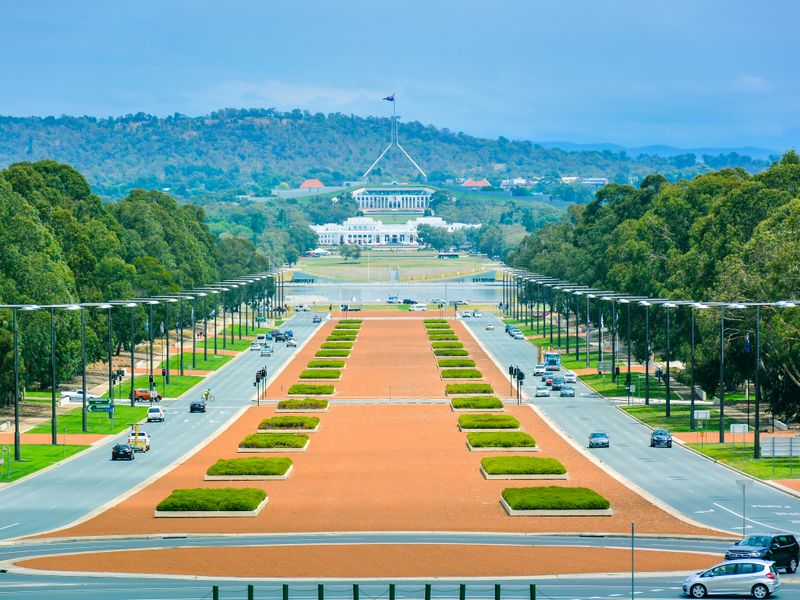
<point>8,526</point>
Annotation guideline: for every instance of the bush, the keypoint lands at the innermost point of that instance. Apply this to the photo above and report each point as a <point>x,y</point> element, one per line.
<point>450,352</point>
<point>303,404</point>
<point>488,422</point>
<point>554,498</point>
<point>287,422</point>
<point>434,321</point>
<point>274,440</point>
<point>447,345</point>
<point>332,353</point>
<point>505,439</point>
<point>350,326</point>
<point>320,374</point>
<point>337,345</point>
<point>350,321</point>
<point>443,337</point>
<point>430,326</point>
<point>522,465</point>
<point>308,388</point>
<point>484,402</point>
<point>456,362</point>
<point>461,374</point>
<point>326,364</point>
<point>468,388</point>
<point>213,499</point>
<point>250,466</point>
<point>344,337</point>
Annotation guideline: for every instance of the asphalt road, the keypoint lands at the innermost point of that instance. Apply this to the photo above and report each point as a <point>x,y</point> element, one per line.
<point>694,486</point>
<point>61,495</point>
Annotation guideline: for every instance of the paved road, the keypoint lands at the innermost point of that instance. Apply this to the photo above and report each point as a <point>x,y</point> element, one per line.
<point>694,486</point>
<point>70,491</point>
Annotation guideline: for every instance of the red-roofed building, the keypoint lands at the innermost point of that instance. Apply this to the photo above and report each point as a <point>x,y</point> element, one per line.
<point>312,184</point>
<point>480,183</point>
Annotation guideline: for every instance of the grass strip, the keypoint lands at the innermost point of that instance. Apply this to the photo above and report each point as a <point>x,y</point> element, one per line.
<point>350,321</point>
<point>504,439</point>
<point>100,423</point>
<point>450,352</point>
<point>337,345</point>
<point>456,362</point>
<point>522,465</point>
<point>34,458</point>
<point>310,388</point>
<point>303,404</point>
<point>480,402</point>
<point>554,498</point>
<point>740,456</point>
<point>320,374</point>
<point>332,353</point>
<point>430,326</point>
<point>326,364</point>
<point>213,499</point>
<point>212,364</point>
<point>488,422</point>
<point>253,465</point>
<point>461,374</point>
<point>274,440</point>
<point>434,320</point>
<point>679,419</point>
<point>447,345</point>
<point>443,337</point>
<point>347,326</point>
<point>289,422</point>
<point>468,388</point>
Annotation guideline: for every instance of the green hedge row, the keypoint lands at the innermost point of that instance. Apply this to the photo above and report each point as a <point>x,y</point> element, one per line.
<point>341,337</point>
<point>310,388</point>
<point>554,498</point>
<point>430,326</point>
<point>505,439</point>
<point>522,465</point>
<point>468,388</point>
<point>303,404</point>
<point>483,402</point>
<point>488,422</point>
<point>332,353</point>
<point>348,326</point>
<point>213,499</point>
<point>434,320</point>
<point>461,374</point>
<point>250,466</point>
<point>337,345</point>
<point>350,321</point>
<point>326,364</point>
<point>289,422</point>
<point>320,374</point>
<point>274,440</point>
<point>446,344</point>
<point>456,362</point>
<point>443,337</point>
<point>450,352</point>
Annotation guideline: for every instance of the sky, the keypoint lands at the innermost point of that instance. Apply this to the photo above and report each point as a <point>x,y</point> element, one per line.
<point>686,73</point>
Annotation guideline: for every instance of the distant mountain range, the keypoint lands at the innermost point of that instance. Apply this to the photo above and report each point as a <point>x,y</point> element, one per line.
<point>663,150</point>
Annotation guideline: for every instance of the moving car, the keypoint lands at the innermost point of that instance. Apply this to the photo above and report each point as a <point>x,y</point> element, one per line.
<point>558,383</point>
<point>570,377</point>
<point>437,301</point>
<point>476,314</point>
<point>122,452</point>
<point>548,379</point>
<point>145,395</point>
<point>261,338</point>
<point>156,413</point>
<point>542,391</point>
<point>291,343</point>
<point>757,578</point>
<point>466,314</point>
<point>781,548</point>
<point>139,441</point>
<point>266,350</point>
<point>78,395</point>
<point>317,319</point>
<point>567,391</point>
<point>660,438</point>
<point>255,346</point>
<point>598,439</point>
<point>197,406</point>
<point>409,301</point>
<point>517,335</point>
<point>418,307</point>
<point>490,327</point>
<point>280,336</point>
<point>303,308</point>
<point>538,370</point>
<point>393,300</point>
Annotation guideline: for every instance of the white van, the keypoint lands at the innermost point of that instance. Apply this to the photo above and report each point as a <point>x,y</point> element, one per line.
<point>261,338</point>
<point>418,307</point>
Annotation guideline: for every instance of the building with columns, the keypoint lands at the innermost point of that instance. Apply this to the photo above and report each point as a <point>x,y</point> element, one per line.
<point>366,231</point>
<point>400,198</point>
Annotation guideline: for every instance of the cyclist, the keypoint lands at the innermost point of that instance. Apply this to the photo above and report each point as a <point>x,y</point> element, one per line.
<point>207,394</point>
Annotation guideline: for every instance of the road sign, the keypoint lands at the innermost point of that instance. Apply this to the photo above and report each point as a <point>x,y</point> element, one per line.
<point>738,427</point>
<point>604,366</point>
<point>100,405</point>
<point>702,415</point>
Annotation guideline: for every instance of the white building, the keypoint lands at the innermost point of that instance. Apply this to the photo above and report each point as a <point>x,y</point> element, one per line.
<point>366,231</point>
<point>393,198</point>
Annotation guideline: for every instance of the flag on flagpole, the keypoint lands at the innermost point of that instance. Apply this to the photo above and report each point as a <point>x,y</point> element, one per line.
<point>747,342</point>
<point>390,98</point>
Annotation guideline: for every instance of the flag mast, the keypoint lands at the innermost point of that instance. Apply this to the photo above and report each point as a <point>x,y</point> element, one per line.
<point>394,142</point>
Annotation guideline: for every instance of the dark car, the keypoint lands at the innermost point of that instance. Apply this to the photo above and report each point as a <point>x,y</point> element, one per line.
<point>122,452</point>
<point>317,319</point>
<point>289,334</point>
<point>558,383</point>
<point>598,439</point>
<point>280,336</point>
<point>409,301</point>
<point>197,406</point>
<point>660,438</point>
<point>779,547</point>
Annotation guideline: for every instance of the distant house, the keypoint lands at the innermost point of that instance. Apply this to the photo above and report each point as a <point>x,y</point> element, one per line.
<point>312,185</point>
<point>479,183</point>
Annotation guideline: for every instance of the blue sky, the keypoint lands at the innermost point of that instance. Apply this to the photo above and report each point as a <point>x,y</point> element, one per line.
<point>679,72</point>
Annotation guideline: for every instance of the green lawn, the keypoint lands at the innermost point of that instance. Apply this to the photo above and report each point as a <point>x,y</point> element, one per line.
<point>212,364</point>
<point>250,330</point>
<point>177,386</point>
<point>545,342</point>
<point>71,422</point>
<point>34,457</point>
<point>33,396</point>
<point>603,385</point>
<point>678,420</point>
<point>740,456</point>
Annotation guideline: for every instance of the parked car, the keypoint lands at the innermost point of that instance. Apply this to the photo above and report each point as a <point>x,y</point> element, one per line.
<point>409,301</point>
<point>542,391</point>
<point>317,319</point>
<point>781,548</point>
<point>660,438</point>
<point>78,395</point>
<point>255,346</point>
<point>303,308</point>
<point>291,343</point>
<point>197,406</point>
<point>570,377</point>
<point>538,370</point>
<point>509,327</point>
<point>558,383</point>
<point>758,578</point>
<point>122,452</point>
<point>139,441</point>
<point>156,413</point>
<point>490,327</point>
<point>567,392</point>
<point>145,395</point>
<point>598,439</point>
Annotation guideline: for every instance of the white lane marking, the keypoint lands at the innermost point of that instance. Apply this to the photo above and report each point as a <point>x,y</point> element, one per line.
<point>8,526</point>
<point>751,520</point>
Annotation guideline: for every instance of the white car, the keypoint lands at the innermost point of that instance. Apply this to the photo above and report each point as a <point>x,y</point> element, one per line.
<point>490,327</point>
<point>291,343</point>
<point>570,377</point>
<point>255,346</point>
<point>78,395</point>
<point>466,314</point>
<point>477,314</point>
<point>156,413</point>
<point>542,391</point>
<point>538,370</point>
<point>418,307</point>
<point>140,442</point>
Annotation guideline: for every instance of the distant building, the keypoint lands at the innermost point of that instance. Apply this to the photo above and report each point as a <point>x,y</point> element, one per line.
<point>480,183</point>
<point>312,185</point>
<point>393,198</point>
<point>520,182</point>
<point>366,231</point>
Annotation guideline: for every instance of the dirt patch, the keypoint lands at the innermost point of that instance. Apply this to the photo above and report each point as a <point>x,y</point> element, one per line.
<point>361,561</point>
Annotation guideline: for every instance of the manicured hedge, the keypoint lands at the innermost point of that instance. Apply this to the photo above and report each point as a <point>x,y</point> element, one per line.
<point>461,374</point>
<point>430,326</point>
<point>443,337</point>
<point>488,422</point>
<point>310,388</point>
<point>289,422</point>
<point>349,326</point>
<point>554,498</point>
<point>468,388</point>
<point>350,321</point>
<point>434,320</point>
<point>342,337</point>
<point>326,364</point>
<point>450,352</point>
<point>320,374</point>
<point>213,499</point>
<point>447,345</point>
<point>332,353</point>
<point>250,466</point>
<point>337,345</point>
<point>522,465</point>
<point>484,402</point>
<point>503,439</point>
<point>274,440</point>
<point>303,404</point>
<point>456,362</point>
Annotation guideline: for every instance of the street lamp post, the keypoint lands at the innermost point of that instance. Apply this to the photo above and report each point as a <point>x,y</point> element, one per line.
<point>757,368</point>
<point>132,306</point>
<point>53,418</point>
<point>17,456</point>
<point>646,305</point>
<point>667,306</point>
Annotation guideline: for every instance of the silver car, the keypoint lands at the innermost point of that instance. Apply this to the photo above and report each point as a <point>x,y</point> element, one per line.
<point>757,578</point>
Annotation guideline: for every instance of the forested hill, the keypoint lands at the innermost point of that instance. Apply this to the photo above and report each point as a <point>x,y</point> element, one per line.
<point>235,151</point>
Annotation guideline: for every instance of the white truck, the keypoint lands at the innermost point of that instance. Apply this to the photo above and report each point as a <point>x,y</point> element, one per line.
<point>78,395</point>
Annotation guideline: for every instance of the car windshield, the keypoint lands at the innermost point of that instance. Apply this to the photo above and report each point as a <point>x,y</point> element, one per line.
<point>755,540</point>
<point>598,434</point>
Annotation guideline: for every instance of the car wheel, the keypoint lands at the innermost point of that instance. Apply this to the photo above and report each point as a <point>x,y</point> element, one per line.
<point>760,591</point>
<point>698,591</point>
<point>792,566</point>
<point>669,445</point>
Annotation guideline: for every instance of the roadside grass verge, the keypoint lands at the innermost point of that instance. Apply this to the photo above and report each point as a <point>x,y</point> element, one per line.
<point>213,499</point>
<point>679,419</point>
<point>351,321</point>
<point>468,388</point>
<point>212,364</point>
<point>312,389</point>
<point>237,345</point>
<point>251,330</point>
<point>320,374</point>
<point>603,385</point>
<point>347,326</point>
<point>274,440</point>
<point>447,345</point>
<point>34,458</point>
<point>98,423</point>
<point>522,465</point>
<point>289,422</point>
<point>479,402</point>
<point>250,466</point>
<point>177,386</point>
<point>554,498</point>
<point>460,374</point>
<point>504,439</point>
<point>303,404</point>
<point>487,422</point>
<point>740,456</point>
<point>456,362</point>
<point>544,342</point>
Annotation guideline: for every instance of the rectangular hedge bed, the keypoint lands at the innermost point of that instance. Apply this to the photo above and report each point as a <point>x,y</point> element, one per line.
<point>274,442</point>
<point>310,389</point>
<point>355,326</point>
<point>450,363</point>
<point>350,321</point>
<point>460,374</point>
<point>294,423</point>
<point>340,338</point>
<point>332,353</point>
<point>445,337</point>
<point>480,422</point>
<point>252,468</point>
<point>447,345</point>
<point>509,441</point>
<point>555,501</point>
<point>320,374</point>
<point>304,405</point>
<point>430,326</point>
<point>522,467</point>
<point>326,364</point>
<point>434,320</point>
<point>468,388</point>
<point>219,502</point>
<point>450,352</point>
<point>337,345</point>
<point>476,403</point>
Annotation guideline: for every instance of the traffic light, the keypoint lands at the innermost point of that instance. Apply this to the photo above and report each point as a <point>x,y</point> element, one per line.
<point>521,375</point>
<point>263,372</point>
<point>163,372</point>
<point>151,380</point>
<point>511,370</point>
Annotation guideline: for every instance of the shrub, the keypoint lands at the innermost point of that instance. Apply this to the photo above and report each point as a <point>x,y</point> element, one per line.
<point>250,466</point>
<point>443,337</point>
<point>450,352</point>
<point>309,388</point>
<point>447,345</point>
<point>504,439</point>
<point>484,402</point>
<point>213,499</point>
<point>274,440</point>
<point>468,388</point>
<point>289,422</point>
<point>434,321</point>
<point>456,362</point>
<point>488,422</point>
<point>430,326</point>
<point>326,364</point>
<point>337,345</point>
<point>303,404</point>
<point>522,465</point>
<point>320,374</point>
<point>461,374</point>
<point>351,326</point>
<point>332,353</point>
<point>554,498</point>
<point>350,321</point>
<point>343,337</point>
